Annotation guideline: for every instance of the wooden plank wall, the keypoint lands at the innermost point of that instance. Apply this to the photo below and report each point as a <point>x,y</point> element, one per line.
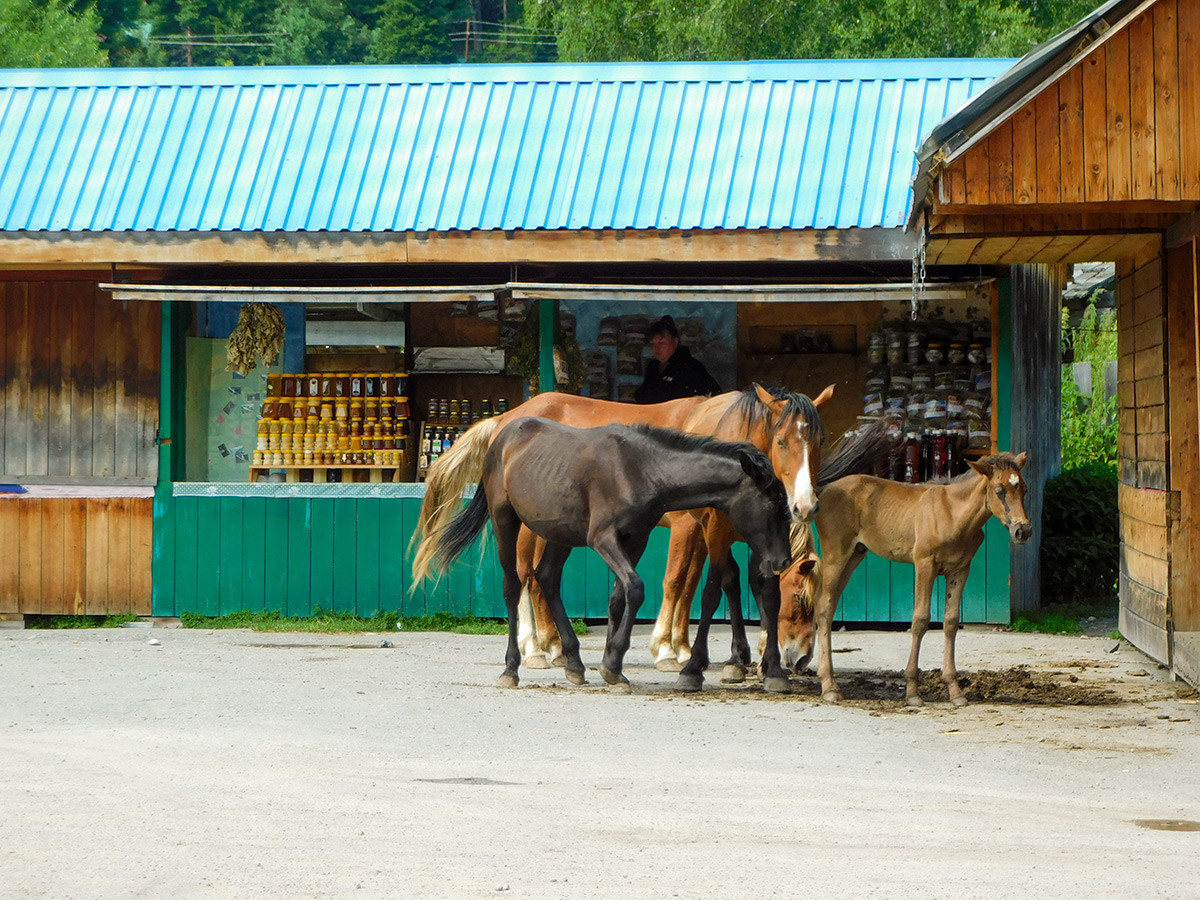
<point>75,555</point>
<point>1183,409</point>
<point>1143,494</point>
<point>1036,423</point>
<point>1119,125</point>
<point>79,385</point>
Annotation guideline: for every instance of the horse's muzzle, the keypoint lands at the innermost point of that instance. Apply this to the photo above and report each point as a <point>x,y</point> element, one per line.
<point>805,515</point>
<point>1021,532</point>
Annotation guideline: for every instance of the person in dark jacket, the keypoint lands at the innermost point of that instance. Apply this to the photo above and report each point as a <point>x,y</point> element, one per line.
<point>674,372</point>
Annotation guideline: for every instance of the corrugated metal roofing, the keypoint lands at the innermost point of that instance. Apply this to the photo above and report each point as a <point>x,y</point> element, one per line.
<point>364,148</point>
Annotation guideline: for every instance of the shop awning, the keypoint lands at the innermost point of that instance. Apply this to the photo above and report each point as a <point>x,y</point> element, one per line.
<point>349,295</point>
<point>735,293</point>
<point>521,290</point>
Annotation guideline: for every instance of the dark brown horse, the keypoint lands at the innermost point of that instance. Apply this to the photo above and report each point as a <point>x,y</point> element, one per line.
<point>606,488</point>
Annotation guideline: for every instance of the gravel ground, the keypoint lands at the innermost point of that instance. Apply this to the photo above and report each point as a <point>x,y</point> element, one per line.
<point>233,764</point>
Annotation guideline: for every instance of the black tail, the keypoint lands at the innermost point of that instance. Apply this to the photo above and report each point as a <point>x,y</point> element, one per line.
<point>462,530</point>
<point>857,453</point>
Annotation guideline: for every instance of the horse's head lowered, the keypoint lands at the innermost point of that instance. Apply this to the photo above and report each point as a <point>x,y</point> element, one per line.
<point>1006,492</point>
<point>795,438</point>
<point>759,512</point>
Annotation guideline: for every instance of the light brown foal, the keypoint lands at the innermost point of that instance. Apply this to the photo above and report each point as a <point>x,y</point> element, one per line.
<point>936,527</point>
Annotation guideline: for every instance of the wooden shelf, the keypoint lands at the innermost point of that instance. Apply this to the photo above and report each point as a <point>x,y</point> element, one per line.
<point>376,474</point>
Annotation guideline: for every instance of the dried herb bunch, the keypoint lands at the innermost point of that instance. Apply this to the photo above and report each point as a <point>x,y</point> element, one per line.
<point>258,333</point>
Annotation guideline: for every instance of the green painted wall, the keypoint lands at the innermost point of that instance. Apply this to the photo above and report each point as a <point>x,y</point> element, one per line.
<point>294,555</point>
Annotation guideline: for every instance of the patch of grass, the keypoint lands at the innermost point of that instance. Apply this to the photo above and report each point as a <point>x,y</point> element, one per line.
<point>1061,618</point>
<point>1052,624</point>
<point>326,622</point>
<point>52,622</point>
<point>1115,635</point>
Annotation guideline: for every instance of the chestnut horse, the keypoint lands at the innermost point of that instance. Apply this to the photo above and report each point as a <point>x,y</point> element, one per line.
<point>938,527</point>
<point>607,487</point>
<point>736,415</point>
<point>797,593</point>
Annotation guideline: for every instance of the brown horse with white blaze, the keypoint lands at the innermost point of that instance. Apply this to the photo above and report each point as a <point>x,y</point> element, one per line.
<point>938,527</point>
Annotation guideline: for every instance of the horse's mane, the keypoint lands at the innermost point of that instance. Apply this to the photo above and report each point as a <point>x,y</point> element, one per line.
<point>1000,460</point>
<point>750,412</point>
<point>680,440</point>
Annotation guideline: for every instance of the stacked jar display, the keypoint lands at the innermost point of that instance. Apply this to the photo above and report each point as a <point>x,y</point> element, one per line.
<point>446,419</point>
<point>333,419</point>
<point>934,386</point>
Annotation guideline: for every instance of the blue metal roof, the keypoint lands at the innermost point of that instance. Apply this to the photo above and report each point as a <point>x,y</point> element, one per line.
<point>434,148</point>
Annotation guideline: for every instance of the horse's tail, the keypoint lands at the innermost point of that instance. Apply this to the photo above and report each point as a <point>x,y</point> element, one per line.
<point>857,453</point>
<point>450,475</point>
<point>449,543</point>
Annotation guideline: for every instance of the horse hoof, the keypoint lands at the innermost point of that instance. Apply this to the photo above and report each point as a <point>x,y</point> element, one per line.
<point>959,701</point>
<point>536,661</point>
<point>669,664</point>
<point>621,687</point>
<point>690,682</point>
<point>832,697</point>
<point>915,701</point>
<point>558,661</point>
<point>609,675</point>
<point>508,681</point>
<point>575,677</point>
<point>733,674</point>
<point>776,684</point>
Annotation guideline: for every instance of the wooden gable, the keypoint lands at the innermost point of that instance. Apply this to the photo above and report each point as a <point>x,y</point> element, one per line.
<point>1094,162</point>
<point>1117,126</point>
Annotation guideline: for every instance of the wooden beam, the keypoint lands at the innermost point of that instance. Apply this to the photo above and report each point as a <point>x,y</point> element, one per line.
<point>78,249</point>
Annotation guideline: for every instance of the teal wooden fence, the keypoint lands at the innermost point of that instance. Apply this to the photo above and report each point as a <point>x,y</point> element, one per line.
<point>220,549</point>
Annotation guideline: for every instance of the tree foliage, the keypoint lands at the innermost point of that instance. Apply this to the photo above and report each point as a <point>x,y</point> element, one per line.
<point>331,32</point>
<point>596,30</point>
<point>49,33</point>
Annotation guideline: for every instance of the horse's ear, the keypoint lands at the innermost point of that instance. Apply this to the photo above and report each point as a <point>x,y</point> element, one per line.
<point>982,466</point>
<point>806,565</point>
<point>754,466</point>
<point>1020,458</point>
<point>824,397</point>
<point>764,397</point>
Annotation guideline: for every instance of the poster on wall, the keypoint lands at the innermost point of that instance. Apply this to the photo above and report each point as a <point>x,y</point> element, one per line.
<point>222,415</point>
<point>612,338</point>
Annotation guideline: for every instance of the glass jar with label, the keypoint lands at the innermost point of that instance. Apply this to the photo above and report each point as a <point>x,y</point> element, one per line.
<point>357,384</point>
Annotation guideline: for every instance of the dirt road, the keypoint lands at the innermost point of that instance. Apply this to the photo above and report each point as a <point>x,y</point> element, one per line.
<point>233,764</point>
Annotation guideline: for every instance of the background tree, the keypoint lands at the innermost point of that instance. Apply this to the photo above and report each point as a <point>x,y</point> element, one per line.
<point>49,33</point>
<point>317,32</point>
<point>598,30</point>
<point>411,32</point>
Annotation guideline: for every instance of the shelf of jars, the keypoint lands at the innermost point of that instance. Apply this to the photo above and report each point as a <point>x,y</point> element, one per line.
<point>333,427</point>
<point>445,421</point>
<point>933,386</point>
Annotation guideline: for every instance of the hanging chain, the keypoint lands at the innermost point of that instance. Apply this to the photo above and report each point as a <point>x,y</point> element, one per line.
<point>918,270</point>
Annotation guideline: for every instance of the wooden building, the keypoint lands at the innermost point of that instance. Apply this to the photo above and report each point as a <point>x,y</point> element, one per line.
<point>1089,149</point>
<point>780,189</point>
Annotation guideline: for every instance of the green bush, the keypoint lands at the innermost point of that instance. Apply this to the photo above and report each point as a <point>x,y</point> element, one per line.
<point>1080,536</point>
<point>1080,521</point>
